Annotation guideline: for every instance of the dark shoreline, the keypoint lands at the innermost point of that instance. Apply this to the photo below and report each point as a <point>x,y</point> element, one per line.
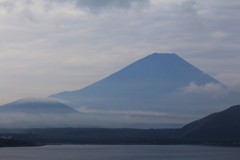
<point>104,136</point>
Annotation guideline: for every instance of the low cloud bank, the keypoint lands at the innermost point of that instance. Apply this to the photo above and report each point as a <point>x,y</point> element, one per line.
<point>95,118</point>
<point>213,89</point>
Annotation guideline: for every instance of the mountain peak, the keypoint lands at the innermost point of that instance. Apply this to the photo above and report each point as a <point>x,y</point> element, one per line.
<point>162,54</point>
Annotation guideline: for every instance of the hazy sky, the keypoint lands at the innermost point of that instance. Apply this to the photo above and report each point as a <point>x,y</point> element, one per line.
<point>48,46</point>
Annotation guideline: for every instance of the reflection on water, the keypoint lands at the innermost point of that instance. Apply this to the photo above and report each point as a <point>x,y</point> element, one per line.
<point>120,152</point>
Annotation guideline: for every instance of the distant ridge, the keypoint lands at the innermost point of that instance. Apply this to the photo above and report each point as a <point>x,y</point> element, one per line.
<point>37,106</point>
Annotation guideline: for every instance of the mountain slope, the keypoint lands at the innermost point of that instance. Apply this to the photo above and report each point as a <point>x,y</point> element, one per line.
<point>150,77</point>
<point>221,125</point>
<point>160,90</point>
<point>40,106</point>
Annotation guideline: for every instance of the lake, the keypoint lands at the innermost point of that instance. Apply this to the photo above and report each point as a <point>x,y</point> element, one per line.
<point>120,152</point>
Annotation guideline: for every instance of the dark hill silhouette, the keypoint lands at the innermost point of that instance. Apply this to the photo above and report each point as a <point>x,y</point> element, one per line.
<point>221,125</point>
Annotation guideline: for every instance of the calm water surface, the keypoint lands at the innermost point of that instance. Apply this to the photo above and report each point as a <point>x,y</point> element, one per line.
<point>120,152</point>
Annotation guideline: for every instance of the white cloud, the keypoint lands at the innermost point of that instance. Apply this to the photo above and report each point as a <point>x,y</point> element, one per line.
<point>211,89</point>
<point>95,118</point>
<point>218,34</point>
<point>22,120</point>
<point>97,6</point>
<point>123,112</point>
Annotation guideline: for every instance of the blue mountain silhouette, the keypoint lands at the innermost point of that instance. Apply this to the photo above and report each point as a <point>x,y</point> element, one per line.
<point>152,77</point>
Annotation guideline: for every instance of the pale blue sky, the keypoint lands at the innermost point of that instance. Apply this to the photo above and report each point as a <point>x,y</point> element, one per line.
<point>50,46</point>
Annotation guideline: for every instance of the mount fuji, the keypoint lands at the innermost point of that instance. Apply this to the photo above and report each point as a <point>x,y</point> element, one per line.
<point>161,88</point>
